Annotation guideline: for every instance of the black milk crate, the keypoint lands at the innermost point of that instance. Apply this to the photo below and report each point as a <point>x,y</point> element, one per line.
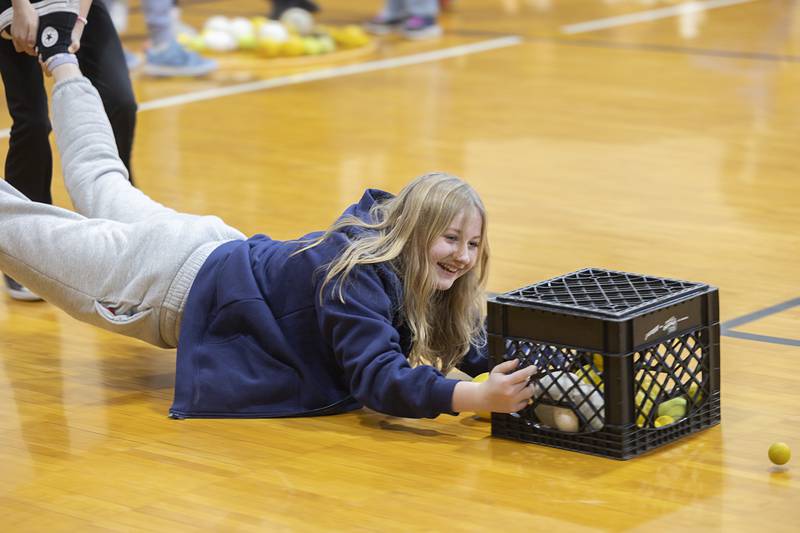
<point>627,362</point>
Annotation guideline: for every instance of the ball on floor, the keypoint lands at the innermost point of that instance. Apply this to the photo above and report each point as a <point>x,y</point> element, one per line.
<point>779,453</point>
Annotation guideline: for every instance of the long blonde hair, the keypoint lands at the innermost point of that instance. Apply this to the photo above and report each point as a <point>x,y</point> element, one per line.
<point>443,324</point>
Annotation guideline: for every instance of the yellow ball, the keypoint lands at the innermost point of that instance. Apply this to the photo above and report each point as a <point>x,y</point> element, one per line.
<point>587,374</point>
<point>779,453</point>
<point>247,42</point>
<point>695,394</point>
<point>293,47</point>
<point>259,21</point>
<point>352,36</point>
<point>664,420</point>
<point>269,48</point>
<point>196,43</point>
<point>312,46</point>
<point>597,359</point>
<point>480,378</point>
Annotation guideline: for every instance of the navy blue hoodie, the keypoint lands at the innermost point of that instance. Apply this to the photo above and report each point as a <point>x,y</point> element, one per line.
<point>255,340</point>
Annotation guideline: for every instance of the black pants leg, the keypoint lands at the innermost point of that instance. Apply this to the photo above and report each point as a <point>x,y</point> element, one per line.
<point>29,161</point>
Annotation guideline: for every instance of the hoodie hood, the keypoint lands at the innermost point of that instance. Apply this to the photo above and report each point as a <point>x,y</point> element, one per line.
<point>361,210</point>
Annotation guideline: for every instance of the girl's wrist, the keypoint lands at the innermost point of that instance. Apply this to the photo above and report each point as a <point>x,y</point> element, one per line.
<point>467,397</point>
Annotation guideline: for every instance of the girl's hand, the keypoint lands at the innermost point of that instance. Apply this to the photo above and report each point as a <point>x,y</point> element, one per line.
<point>507,390</point>
<point>23,27</point>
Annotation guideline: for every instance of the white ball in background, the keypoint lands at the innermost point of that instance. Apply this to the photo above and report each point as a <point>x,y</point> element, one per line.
<point>299,19</point>
<point>273,31</point>
<point>219,41</point>
<point>217,23</point>
<point>241,28</point>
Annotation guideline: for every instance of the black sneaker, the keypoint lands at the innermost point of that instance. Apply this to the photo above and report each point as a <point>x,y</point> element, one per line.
<point>384,24</point>
<point>56,21</point>
<point>20,292</point>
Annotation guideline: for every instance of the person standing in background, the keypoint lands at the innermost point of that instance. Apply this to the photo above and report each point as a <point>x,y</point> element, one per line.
<point>165,56</point>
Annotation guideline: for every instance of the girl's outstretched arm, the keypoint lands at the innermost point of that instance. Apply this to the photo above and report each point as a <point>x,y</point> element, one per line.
<point>506,391</point>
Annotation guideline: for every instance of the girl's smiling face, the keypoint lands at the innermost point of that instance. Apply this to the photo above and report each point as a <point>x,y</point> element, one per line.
<point>455,252</point>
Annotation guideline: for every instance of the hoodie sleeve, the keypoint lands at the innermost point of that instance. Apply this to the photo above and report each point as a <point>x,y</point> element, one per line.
<point>367,347</point>
<point>475,362</point>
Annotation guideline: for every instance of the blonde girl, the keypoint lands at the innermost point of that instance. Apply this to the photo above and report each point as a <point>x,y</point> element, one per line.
<point>372,312</point>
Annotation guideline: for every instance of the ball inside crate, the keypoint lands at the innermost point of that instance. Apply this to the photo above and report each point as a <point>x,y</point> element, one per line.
<point>626,362</point>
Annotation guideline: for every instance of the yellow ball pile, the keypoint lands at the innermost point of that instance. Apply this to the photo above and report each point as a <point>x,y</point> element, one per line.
<point>270,38</point>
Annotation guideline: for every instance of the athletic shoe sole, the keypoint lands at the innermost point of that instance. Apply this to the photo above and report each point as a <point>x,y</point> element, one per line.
<point>43,7</point>
<point>431,32</point>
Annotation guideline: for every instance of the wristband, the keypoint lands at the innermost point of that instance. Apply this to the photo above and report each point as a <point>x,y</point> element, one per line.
<point>83,19</point>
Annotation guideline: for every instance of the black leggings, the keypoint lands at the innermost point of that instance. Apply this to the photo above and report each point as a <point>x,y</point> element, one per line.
<point>29,162</point>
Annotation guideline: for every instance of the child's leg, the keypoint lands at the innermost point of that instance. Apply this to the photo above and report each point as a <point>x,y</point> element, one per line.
<point>395,9</point>
<point>131,279</point>
<point>102,60</point>
<point>422,8</point>
<point>130,275</point>
<point>95,178</point>
<point>391,18</point>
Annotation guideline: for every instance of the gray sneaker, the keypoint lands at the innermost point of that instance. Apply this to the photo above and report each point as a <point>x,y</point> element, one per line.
<point>20,292</point>
<point>175,60</point>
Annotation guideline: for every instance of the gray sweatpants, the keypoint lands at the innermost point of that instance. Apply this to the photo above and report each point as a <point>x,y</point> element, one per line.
<point>123,262</point>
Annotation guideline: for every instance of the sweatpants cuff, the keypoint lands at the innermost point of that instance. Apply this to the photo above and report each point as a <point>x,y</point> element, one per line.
<point>175,300</point>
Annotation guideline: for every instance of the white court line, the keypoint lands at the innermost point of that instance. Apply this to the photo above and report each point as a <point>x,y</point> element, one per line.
<point>646,16</point>
<point>326,73</point>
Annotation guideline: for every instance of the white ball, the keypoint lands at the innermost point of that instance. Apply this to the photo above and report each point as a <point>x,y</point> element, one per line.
<point>566,420</point>
<point>217,23</point>
<point>301,20</point>
<point>241,27</point>
<point>273,31</point>
<point>219,41</point>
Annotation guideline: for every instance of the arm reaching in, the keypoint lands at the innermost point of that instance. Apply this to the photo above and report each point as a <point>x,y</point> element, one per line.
<point>506,391</point>
<point>80,25</point>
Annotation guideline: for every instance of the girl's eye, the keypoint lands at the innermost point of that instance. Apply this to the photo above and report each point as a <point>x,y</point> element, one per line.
<point>451,238</point>
<point>473,245</point>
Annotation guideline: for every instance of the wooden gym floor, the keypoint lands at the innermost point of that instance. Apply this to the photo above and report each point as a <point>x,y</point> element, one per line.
<point>665,145</point>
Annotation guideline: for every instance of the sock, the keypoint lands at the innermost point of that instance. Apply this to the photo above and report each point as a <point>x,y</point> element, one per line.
<point>58,60</point>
